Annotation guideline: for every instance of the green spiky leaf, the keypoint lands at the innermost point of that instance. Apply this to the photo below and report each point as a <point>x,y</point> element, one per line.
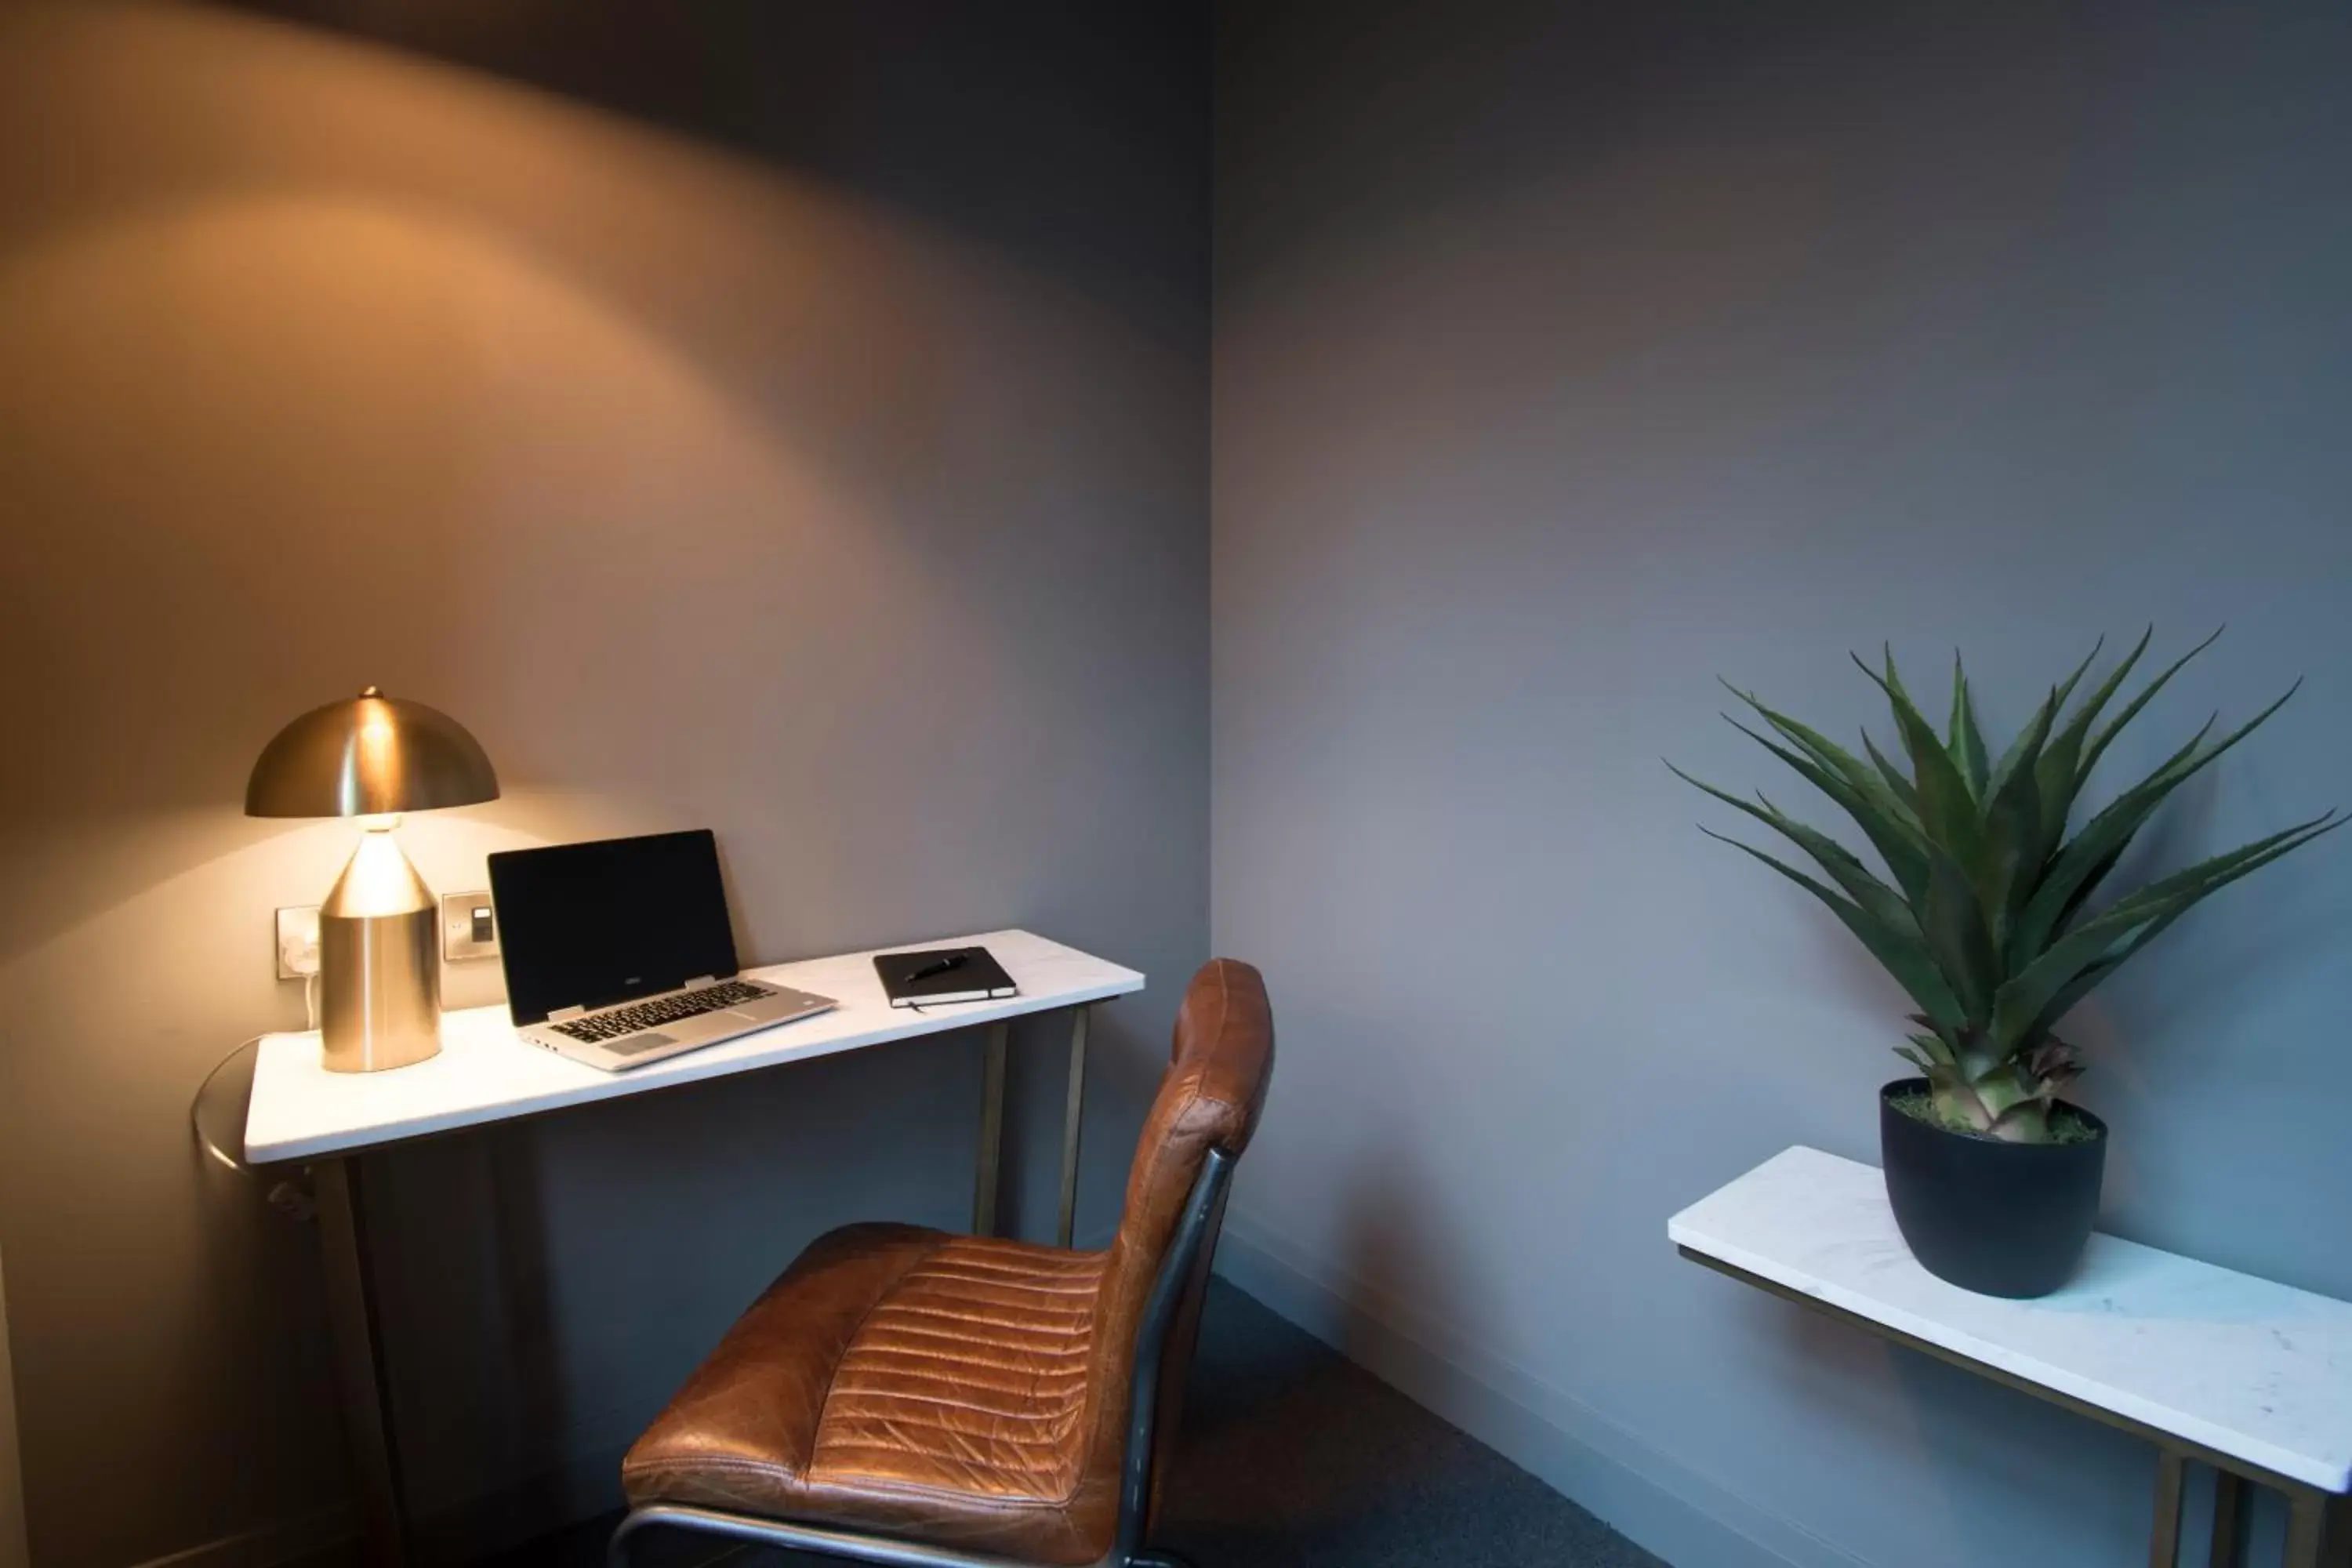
<point>1824,751</point>
<point>1891,830</point>
<point>2116,934</point>
<point>1990,922</point>
<point>1932,1051</point>
<point>2059,774</point>
<point>1967,741</point>
<point>1898,783</point>
<point>2097,746</point>
<point>1953,920</point>
<point>2107,831</point>
<point>1904,954</point>
<point>1882,902</point>
<point>1947,812</point>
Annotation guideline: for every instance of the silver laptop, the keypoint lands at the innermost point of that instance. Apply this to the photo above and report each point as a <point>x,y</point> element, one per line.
<point>619,953</point>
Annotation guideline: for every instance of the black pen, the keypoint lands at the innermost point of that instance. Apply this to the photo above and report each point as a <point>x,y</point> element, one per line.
<point>943,966</point>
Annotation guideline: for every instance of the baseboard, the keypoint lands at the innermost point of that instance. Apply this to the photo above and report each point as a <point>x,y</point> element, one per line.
<point>500,1520</point>
<point>1663,1505</point>
<point>467,1532</point>
<point>321,1538</point>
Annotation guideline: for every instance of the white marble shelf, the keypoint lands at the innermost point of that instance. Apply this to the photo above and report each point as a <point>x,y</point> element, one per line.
<point>2254,1370</point>
<point>486,1073</point>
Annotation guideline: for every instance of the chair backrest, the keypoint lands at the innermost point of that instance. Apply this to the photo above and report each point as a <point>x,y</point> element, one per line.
<point>1221,1061</point>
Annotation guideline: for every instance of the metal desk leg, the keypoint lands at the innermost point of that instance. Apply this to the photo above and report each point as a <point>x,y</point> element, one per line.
<point>2230,1516</point>
<point>991,1130</point>
<point>1073,1121</point>
<point>358,1362</point>
<point>2164,1541</point>
<point>2317,1529</point>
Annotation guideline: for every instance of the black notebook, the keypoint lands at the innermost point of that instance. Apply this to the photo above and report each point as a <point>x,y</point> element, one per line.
<point>942,974</point>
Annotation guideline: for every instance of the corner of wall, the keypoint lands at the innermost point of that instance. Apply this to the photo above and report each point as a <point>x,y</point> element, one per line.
<point>489,1525</point>
<point>324,1538</point>
<point>13,1553</point>
<point>1658,1502</point>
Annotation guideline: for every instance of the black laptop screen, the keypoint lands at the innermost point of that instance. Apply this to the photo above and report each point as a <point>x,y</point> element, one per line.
<point>586,925</point>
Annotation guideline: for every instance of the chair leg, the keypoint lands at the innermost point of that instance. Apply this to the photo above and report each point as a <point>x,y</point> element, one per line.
<point>616,1550</point>
<point>819,1541</point>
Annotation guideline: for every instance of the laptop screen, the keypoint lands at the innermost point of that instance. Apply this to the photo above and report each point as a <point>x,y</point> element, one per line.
<point>587,925</point>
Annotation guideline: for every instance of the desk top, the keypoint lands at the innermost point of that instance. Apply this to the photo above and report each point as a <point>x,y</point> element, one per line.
<point>486,1073</point>
<point>2252,1369</point>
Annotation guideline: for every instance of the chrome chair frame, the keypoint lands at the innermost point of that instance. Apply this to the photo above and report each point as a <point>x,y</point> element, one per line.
<point>1203,1211</point>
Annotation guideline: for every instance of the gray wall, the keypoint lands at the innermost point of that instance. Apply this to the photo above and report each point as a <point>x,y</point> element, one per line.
<point>788,420</point>
<point>1565,357</point>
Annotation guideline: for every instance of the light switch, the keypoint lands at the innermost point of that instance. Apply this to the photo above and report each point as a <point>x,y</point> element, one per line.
<point>469,927</point>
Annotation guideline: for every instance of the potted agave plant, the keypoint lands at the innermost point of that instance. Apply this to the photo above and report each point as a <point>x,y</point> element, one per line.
<point>1989,918</point>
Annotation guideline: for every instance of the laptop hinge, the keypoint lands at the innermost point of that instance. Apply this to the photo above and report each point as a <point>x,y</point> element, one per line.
<point>565,1014</point>
<point>700,981</point>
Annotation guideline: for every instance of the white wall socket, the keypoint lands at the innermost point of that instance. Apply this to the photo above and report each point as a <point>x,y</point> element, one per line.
<point>298,942</point>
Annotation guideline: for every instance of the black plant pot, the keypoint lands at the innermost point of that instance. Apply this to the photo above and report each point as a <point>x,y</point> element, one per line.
<point>2003,1219</point>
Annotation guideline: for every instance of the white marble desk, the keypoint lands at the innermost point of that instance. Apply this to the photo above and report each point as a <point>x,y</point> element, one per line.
<point>2252,1377</point>
<point>486,1073</point>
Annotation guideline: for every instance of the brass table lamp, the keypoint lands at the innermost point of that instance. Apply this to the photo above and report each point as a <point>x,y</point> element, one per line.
<point>375,757</point>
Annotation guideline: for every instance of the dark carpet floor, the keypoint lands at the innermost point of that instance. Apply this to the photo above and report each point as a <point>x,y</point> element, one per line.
<point>1292,1456</point>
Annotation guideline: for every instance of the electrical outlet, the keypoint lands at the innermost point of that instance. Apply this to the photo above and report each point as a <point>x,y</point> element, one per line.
<point>298,942</point>
<point>469,927</point>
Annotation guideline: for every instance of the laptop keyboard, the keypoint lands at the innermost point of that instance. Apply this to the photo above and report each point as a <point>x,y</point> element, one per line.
<point>628,1020</point>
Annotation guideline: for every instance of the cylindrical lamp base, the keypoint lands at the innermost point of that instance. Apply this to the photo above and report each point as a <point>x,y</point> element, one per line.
<point>379,963</point>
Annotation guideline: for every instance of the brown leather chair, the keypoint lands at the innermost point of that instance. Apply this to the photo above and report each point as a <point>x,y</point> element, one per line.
<point>911,1397</point>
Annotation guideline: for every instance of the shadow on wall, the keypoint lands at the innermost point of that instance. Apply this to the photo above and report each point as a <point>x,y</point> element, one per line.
<point>1345,1499</point>
<point>666,471</point>
<point>903,100</point>
<point>564,321</point>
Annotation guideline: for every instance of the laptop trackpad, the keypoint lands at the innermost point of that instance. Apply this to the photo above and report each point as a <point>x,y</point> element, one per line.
<point>631,1045</point>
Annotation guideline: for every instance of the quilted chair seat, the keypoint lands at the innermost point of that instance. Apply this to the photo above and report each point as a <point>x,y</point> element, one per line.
<point>961,1392</point>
